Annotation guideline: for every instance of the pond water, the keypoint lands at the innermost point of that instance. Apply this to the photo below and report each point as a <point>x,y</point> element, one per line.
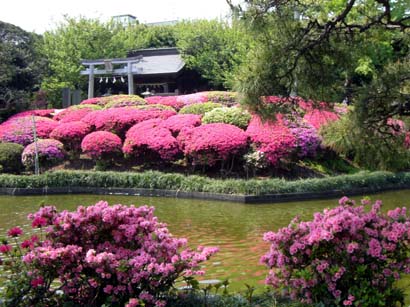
<point>237,229</point>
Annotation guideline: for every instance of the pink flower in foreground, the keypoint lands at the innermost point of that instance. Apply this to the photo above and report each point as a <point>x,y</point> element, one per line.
<point>37,282</point>
<point>15,232</point>
<point>5,248</point>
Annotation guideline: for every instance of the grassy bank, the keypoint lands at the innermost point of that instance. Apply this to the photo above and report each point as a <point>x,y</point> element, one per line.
<point>170,181</point>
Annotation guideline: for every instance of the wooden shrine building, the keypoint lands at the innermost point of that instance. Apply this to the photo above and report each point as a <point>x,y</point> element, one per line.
<point>145,72</point>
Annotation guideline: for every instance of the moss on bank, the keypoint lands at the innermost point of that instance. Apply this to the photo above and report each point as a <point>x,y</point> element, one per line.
<point>171,181</point>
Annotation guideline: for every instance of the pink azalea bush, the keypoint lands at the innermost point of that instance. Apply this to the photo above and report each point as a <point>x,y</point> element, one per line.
<point>119,120</point>
<point>71,134</point>
<point>118,101</point>
<point>20,130</point>
<point>192,98</point>
<point>149,140</point>
<point>346,256</point>
<point>102,255</point>
<point>42,113</point>
<point>50,152</point>
<point>180,121</point>
<point>165,100</point>
<point>95,101</point>
<point>101,145</point>
<point>318,117</point>
<point>273,139</point>
<point>210,143</point>
<point>73,114</point>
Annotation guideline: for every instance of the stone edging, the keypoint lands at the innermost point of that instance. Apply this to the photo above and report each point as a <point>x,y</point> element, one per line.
<point>247,199</point>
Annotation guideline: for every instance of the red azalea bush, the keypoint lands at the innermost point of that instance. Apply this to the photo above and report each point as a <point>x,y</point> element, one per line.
<point>119,120</point>
<point>180,121</point>
<point>50,152</point>
<point>150,139</point>
<point>101,145</point>
<point>318,117</point>
<point>273,139</point>
<point>208,144</point>
<point>71,134</point>
<point>346,256</point>
<point>20,130</point>
<point>101,255</point>
<point>165,100</point>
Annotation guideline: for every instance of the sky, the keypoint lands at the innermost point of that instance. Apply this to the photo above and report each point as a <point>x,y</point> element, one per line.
<point>42,15</point>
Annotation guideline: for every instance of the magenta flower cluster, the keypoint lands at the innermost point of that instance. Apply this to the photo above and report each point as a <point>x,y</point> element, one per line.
<point>207,144</point>
<point>150,140</point>
<point>20,129</point>
<point>50,152</point>
<point>72,114</point>
<point>274,139</point>
<point>101,145</point>
<point>348,255</point>
<point>71,134</point>
<point>120,120</point>
<point>105,254</point>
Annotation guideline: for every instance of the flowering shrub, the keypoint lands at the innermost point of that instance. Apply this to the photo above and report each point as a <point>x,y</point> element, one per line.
<point>154,107</point>
<point>20,130</point>
<point>199,108</point>
<point>119,120</point>
<point>226,98</point>
<point>50,152</point>
<point>118,101</point>
<point>10,157</point>
<point>101,255</point>
<point>165,100</point>
<point>193,98</point>
<point>71,134</point>
<point>42,113</point>
<point>344,256</point>
<point>74,113</point>
<point>149,140</point>
<point>180,121</point>
<point>101,145</point>
<point>207,144</point>
<point>273,139</point>
<point>234,116</point>
<point>307,140</point>
<point>95,101</point>
<point>318,118</point>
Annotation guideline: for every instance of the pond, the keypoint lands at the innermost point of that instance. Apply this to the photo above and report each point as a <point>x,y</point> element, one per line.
<point>237,229</point>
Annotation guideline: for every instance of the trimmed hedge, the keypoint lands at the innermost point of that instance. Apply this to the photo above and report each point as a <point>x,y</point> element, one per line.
<point>173,181</point>
<point>10,157</point>
<point>199,108</point>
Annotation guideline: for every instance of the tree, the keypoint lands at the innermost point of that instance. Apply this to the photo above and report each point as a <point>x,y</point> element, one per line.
<point>213,48</point>
<point>355,51</point>
<point>72,41</point>
<point>21,67</point>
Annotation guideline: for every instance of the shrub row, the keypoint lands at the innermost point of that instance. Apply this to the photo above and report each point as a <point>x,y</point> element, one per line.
<point>172,181</point>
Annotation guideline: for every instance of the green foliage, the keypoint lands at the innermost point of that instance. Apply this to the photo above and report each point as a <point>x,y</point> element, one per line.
<point>154,107</point>
<point>234,116</point>
<point>21,68</point>
<point>94,107</point>
<point>213,48</point>
<point>371,148</point>
<point>174,181</point>
<point>199,108</point>
<point>10,157</point>
<point>65,47</point>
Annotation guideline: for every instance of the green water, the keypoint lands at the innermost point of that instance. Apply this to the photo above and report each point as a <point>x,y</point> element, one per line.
<point>235,228</point>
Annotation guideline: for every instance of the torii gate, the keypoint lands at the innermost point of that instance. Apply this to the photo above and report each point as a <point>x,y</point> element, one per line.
<point>127,69</point>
